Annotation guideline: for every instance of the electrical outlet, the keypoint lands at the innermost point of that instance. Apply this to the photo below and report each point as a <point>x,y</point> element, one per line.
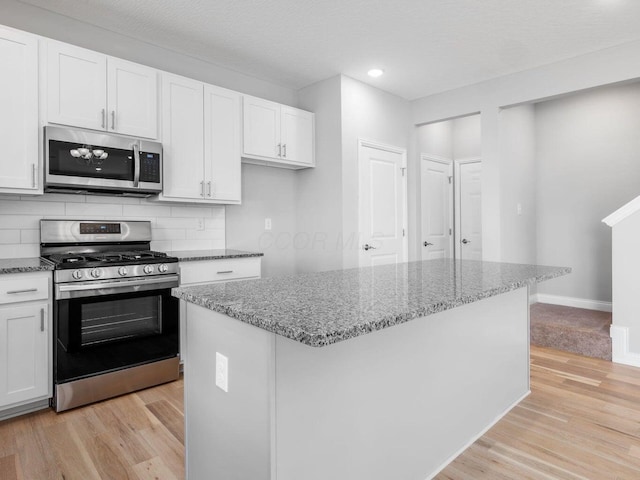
<point>267,224</point>
<point>200,226</point>
<point>519,209</point>
<point>222,372</point>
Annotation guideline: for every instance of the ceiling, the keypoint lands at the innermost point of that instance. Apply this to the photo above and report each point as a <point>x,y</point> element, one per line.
<point>424,46</point>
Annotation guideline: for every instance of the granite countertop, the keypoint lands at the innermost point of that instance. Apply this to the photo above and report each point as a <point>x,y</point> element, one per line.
<point>218,254</point>
<point>22,265</point>
<point>322,308</point>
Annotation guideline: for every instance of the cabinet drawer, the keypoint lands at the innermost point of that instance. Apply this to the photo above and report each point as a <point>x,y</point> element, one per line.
<point>203,271</point>
<point>23,287</point>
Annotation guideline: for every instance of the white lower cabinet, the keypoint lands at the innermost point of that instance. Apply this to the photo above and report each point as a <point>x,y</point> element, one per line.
<point>25,339</point>
<point>200,272</point>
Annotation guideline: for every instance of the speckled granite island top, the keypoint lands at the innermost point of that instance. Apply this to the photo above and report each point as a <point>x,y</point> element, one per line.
<point>23,265</point>
<point>218,254</point>
<point>322,308</point>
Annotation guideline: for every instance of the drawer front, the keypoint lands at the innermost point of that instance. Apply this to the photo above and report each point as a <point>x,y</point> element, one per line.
<point>24,287</point>
<point>205,271</point>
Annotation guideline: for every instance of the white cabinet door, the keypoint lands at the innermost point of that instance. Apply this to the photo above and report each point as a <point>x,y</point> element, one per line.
<point>297,135</point>
<point>182,137</point>
<point>222,167</point>
<point>133,99</point>
<point>24,353</point>
<point>261,125</point>
<point>77,86</point>
<point>18,112</point>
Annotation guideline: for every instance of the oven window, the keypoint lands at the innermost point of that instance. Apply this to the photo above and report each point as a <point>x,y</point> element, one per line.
<point>118,165</point>
<point>121,319</point>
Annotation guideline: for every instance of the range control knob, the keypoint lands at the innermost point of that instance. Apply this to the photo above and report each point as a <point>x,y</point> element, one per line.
<point>162,268</point>
<point>148,269</point>
<point>122,271</point>
<point>77,274</point>
<point>96,272</point>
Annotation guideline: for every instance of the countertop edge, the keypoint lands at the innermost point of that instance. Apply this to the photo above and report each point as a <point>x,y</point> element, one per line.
<point>44,266</point>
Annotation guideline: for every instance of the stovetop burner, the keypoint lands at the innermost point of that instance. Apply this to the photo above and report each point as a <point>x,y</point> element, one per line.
<point>87,260</point>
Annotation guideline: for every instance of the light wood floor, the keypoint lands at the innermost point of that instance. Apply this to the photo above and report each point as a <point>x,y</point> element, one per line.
<point>581,421</point>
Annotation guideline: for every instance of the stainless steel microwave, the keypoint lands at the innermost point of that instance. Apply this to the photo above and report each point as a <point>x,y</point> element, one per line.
<point>82,161</point>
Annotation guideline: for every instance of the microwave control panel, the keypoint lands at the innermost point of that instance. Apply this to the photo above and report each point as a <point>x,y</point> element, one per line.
<point>149,167</point>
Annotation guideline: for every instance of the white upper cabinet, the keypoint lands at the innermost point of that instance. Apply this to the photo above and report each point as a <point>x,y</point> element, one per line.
<point>90,90</point>
<point>201,142</point>
<point>277,134</point>
<point>19,172</point>
<point>222,166</point>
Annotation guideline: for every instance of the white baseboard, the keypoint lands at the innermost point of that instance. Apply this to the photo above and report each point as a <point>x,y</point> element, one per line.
<point>620,347</point>
<point>571,302</point>
<point>472,441</point>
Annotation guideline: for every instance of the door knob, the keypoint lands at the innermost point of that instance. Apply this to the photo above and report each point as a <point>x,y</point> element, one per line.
<point>426,244</point>
<point>465,241</point>
<point>366,246</point>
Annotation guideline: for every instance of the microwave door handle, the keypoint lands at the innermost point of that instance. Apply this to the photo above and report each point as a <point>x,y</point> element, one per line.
<point>136,165</point>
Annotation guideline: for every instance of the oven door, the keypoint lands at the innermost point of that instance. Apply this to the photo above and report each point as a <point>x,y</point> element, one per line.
<point>101,330</point>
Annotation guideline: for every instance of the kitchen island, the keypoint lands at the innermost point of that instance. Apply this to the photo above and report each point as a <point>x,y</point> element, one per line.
<point>376,373</point>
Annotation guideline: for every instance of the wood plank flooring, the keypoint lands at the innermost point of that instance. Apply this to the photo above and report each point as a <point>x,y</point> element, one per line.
<point>581,421</point>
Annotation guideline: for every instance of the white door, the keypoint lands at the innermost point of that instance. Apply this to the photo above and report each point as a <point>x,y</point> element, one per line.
<point>436,193</point>
<point>77,86</point>
<point>24,353</point>
<point>470,212</point>
<point>261,124</point>
<point>132,99</point>
<point>382,205</point>
<point>182,137</point>
<point>297,135</point>
<point>18,111</point>
<point>222,167</point>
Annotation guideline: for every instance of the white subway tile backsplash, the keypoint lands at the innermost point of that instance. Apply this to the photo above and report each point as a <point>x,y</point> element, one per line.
<point>181,227</point>
<point>9,236</point>
<point>91,210</point>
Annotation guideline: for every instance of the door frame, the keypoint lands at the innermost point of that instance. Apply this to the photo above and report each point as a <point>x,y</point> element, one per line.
<point>457,215</point>
<point>364,143</point>
<point>452,203</point>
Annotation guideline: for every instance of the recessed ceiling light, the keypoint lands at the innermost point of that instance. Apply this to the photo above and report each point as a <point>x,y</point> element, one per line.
<point>375,72</point>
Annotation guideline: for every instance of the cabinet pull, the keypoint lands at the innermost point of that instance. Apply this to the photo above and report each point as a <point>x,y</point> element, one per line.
<point>279,149</point>
<point>113,119</point>
<point>28,290</point>
<point>103,118</point>
<point>284,148</point>
<point>42,319</point>
<point>225,271</point>
<point>209,189</point>
<point>202,189</point>
<point>33,175</point>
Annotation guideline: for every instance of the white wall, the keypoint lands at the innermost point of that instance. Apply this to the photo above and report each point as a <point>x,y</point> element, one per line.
<point>267,192</point>
<point>588,165</point>
<point>466,139</point>
<point>518,169</point>
<point>436,139</point>
<point>174,227</point>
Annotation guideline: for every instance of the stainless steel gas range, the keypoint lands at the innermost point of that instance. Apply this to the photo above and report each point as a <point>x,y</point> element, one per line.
<point>115,321</point>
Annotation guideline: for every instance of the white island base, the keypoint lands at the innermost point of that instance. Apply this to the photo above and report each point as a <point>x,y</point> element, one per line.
<point>398,403</point>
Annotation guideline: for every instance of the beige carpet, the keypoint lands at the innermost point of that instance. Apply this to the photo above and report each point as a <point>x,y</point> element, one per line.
<point>576,330</point>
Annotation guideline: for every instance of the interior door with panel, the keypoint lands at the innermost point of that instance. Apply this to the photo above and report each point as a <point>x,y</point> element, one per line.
<point>382,204</point>
<point>76,86</point>
<point>222,165</point>
<point>182,137</point>
<point>132,99</point>
<point>261,127</point>
<point>19,162</point>
<point>296,129</point>
<point>436,207</point>
<point>469,238</point>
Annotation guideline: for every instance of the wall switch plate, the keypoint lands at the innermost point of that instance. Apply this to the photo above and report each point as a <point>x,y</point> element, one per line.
<point>519,209</point>
<point>222,372</point>
<point>267,224</point>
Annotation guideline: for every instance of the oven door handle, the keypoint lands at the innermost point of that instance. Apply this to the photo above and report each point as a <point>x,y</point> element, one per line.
<point>77,290</point>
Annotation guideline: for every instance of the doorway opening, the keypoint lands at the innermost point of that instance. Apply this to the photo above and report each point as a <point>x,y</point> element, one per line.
<point>450,189</point>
